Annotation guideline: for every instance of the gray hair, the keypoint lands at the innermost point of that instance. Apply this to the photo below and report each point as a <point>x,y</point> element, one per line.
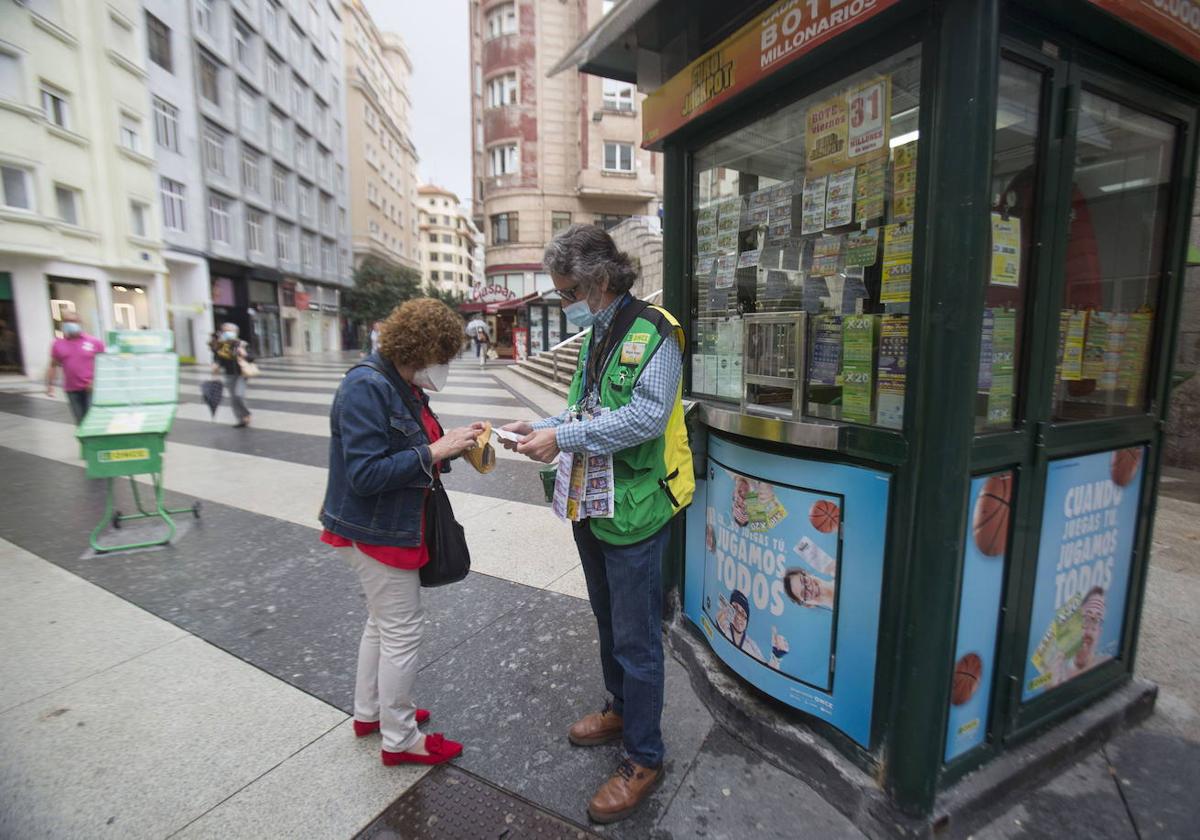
<point>587,254</point>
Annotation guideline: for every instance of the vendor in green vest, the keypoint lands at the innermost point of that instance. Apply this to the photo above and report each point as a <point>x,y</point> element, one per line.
<point>624,403</point>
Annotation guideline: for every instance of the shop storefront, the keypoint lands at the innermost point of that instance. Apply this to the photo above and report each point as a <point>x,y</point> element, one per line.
<point>10,336</point>
<point>928,259</point>
<point>75,297</point>
<point>546,323</point>
<point>266,337</point>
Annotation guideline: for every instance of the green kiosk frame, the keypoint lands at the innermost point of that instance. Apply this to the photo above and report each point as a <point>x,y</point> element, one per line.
<point>928,256</point>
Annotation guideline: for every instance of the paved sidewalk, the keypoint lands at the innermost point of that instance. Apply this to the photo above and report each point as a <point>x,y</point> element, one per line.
<point>204,688</point>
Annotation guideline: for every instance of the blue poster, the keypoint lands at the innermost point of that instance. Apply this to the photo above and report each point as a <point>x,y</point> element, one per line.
<point>985,547</point>
<point>770,582</point>
<point>783,574</point>
<point>1089,523</point>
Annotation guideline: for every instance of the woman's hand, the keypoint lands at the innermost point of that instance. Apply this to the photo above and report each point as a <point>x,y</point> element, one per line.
<point>455,442</point>
<point>520,427</point>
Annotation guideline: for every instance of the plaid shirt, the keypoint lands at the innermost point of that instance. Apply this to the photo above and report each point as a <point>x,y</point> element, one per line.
<point>646,415</point>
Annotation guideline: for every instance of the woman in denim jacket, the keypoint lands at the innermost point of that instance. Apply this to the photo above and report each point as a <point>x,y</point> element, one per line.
<point>382,461</point>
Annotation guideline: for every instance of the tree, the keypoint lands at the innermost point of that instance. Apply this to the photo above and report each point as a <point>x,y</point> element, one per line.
<point>379,287</point>
<point>449,297</point>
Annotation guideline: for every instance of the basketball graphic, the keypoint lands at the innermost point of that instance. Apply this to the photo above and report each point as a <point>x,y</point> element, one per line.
<point>992,511</point>
<point>1125,465</point>
<point>967,673</point>
<point>824,516</point>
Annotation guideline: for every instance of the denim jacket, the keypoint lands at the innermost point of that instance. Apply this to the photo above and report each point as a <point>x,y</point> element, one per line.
<point>380,467</point>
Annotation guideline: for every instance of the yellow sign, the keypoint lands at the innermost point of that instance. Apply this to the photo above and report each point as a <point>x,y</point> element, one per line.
<point>825,137</point>
<point>1006,251</point>
<point>108,456</point>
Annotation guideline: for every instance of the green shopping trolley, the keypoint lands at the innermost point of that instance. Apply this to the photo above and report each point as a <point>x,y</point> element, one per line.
<point>134,396</point>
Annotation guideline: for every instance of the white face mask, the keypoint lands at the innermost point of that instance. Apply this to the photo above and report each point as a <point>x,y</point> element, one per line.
<point>432,378</point>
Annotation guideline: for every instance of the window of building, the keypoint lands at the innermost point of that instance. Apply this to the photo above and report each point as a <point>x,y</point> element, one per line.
<point>447,238</point>
<point>248,110</point>
<point>130,130</point>
<point>320,118</point>
<point>307,199</point>
<point>328,256</point>
<point>67,200</point>
<point>608,221</point>
<point>210,78</point>
<point>173,204</point>
<point>304,153</point>
<point>283,242</point>
<point>275,74</point>
<point>214,149</point>
<point>218,219</point>
<point>324,166</point>
<point>166,125</point>
<point>501,20</point>
<point>54,106</point>
<point>158,36</point>
<point>278,134</point>
<point>617,96</point>
<point>254,231</point>
<point>18,187</point>
<point>504,228</point>
<point>504,160</point>
<point>121,32</point>
<point>279,189</point>
<point>243,43</point>
<point>327,215</point>
<point>618,157</point>
<point>139,218</point>
<point>204,16</point>
<point>433,275</point>
<point>251,171</point>
<point>299,99</point>
<point>274,18</point>
<point>502,90</point>
<point>559,221</point>
<point>296,46</point>
<point>12,84</point>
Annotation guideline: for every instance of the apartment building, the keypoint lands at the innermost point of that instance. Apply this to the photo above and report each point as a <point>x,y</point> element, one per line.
<point>247,99</point>
<point>79,225</point>
<point>548,152</point>
<point>450,242</point>
<point>383,158</point>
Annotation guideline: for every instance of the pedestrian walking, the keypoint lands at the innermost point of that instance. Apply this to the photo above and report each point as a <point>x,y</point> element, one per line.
<point>626,389</point>
<point>375,336</point>
<point>230,359</point>
<point>483,343</point>
<point>75,353</point>
<point>383,459</point>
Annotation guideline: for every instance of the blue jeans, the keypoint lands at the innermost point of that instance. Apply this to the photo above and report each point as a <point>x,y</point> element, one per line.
<point>625,588</point>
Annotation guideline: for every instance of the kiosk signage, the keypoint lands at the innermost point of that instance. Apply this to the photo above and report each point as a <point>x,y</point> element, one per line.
<point>1089,522</point>
<point>1174,22</point>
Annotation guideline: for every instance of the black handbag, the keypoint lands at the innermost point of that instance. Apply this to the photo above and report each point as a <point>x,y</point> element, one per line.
<point>449,557</point>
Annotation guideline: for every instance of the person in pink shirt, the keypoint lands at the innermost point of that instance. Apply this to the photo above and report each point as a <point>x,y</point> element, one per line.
<point>75,353</point>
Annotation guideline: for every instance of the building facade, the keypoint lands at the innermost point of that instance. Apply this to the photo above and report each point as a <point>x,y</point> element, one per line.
<point>548,152</point>
<point>382,156</point>
<point>450,242</point>
<point>248,101</point>
<point>79,226</point>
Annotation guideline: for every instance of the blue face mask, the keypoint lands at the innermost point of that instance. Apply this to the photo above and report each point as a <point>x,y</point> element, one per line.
<point>580,314</point>
<point>70,329</point>
<point>228,336</point>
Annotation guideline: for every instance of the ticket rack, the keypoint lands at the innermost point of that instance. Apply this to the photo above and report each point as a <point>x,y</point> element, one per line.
<point>124,433</point>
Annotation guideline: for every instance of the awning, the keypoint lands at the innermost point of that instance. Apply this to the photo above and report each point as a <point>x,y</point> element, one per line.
<point>613,27</point>
<point>511,305</point>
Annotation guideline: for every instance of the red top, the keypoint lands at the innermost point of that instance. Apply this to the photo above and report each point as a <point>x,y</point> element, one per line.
<point>402,557</point>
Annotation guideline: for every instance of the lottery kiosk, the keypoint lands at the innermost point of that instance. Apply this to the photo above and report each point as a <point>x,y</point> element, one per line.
<point>928,255</point>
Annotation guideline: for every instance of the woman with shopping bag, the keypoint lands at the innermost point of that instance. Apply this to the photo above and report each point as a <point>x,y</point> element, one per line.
<point>232,359</point>
<point>389,518</point>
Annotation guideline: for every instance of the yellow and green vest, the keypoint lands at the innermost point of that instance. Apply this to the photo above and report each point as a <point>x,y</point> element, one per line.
<point>653,480</point>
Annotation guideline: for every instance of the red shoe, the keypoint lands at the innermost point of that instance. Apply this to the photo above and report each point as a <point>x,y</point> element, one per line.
<point>440,749</point>
<point>370,727</point>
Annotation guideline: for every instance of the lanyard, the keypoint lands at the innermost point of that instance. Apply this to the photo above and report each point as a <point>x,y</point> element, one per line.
<point>597,361</point>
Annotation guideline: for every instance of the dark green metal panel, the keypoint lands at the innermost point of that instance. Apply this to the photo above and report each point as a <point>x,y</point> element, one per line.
<point>958,108</point>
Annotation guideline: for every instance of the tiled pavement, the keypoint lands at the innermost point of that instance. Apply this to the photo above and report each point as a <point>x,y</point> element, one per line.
<point>203,688</point>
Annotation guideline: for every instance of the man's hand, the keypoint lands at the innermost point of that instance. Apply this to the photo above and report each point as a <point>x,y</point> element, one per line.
<point>455,442</point>
<point>49,390</point>
<point>542,445</point>
<point>520,427</point>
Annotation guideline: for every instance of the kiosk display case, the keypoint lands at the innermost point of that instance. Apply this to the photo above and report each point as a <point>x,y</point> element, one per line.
<point>928,255</point>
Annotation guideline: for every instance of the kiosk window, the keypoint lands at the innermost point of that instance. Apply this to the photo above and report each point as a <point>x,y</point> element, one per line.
<point>810,210</point>
<point>1013,219</point>
<point>1114,258</point>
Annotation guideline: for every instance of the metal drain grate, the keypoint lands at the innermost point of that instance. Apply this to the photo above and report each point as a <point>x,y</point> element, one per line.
<point>449,804</point>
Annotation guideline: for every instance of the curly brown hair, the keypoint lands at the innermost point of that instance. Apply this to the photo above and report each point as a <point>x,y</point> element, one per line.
<point>420,333</point>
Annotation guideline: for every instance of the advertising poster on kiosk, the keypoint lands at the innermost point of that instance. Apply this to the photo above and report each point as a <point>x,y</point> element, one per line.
<point>984,552</point>
<point>770,584</point>
<point>1089,523</point>
<point>789,590</point>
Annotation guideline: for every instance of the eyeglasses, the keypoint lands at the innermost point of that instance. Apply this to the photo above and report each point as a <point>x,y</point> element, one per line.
<point>570,294</point>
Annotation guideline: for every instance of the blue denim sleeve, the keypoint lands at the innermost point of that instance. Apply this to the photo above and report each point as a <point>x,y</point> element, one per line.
<point>643,418</point>
<point>366,407</point>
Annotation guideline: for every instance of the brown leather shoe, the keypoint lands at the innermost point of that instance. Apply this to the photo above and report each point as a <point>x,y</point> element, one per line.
<point>597,728</point>
<point>624,791</point>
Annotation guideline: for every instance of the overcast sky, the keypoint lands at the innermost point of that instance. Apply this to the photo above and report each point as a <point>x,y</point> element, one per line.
<point>436,34</point>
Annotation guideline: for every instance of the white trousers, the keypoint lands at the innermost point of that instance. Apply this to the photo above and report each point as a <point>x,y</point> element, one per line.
<point>387,654</point>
